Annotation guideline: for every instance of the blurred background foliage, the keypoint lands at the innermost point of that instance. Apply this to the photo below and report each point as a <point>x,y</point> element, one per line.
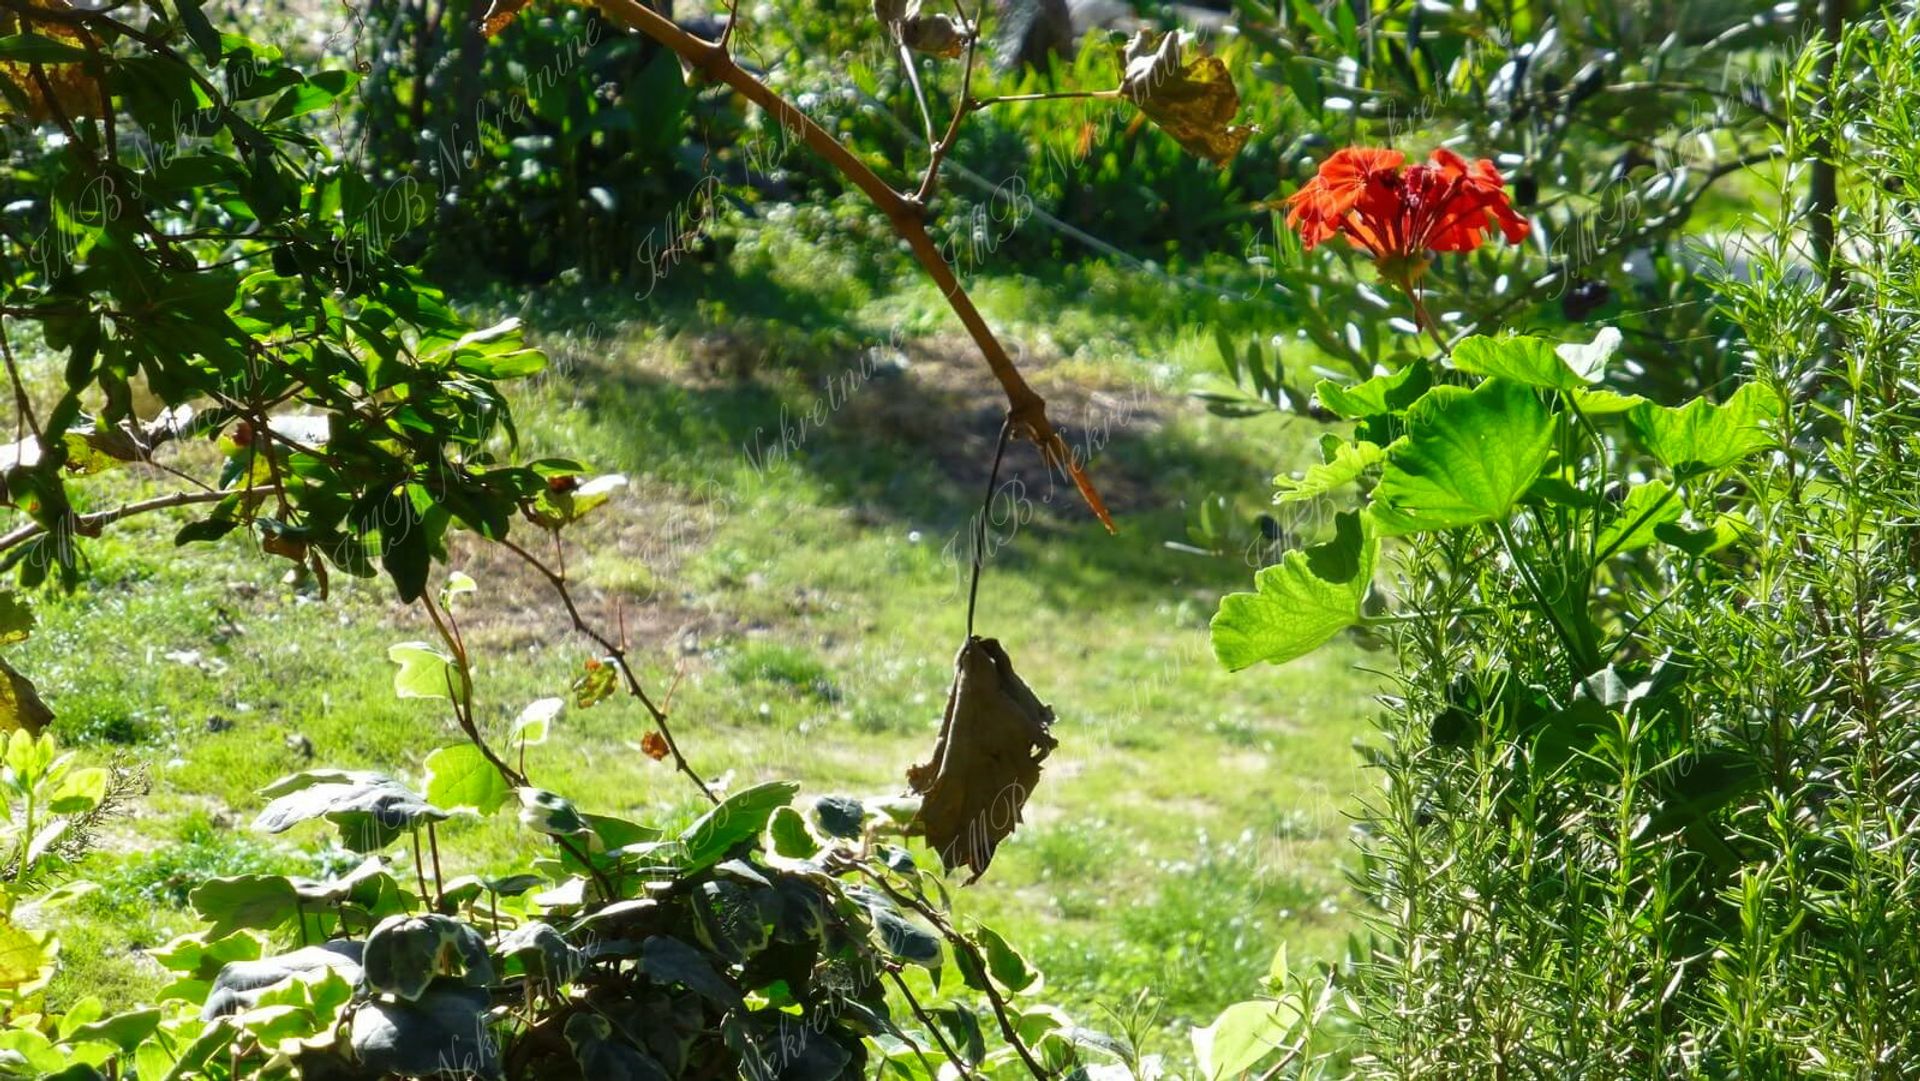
<point>1624,129</point>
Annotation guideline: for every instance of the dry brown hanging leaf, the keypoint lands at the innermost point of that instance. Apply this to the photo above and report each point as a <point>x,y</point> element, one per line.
<point>654,746</point>
<point>934,34</point>
<point>995,735</point>
<point>1194,103</point>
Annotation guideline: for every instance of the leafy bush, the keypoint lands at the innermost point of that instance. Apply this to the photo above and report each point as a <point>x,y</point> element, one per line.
<point>763,939</point>
<point>560,128</point>
<point>1645,807</point>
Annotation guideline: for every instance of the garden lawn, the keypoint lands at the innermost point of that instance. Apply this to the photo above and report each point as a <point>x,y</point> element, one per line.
<point>805,458</point>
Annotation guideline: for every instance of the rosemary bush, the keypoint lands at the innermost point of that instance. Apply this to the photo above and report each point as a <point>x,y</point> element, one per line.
<point>1700,861</point>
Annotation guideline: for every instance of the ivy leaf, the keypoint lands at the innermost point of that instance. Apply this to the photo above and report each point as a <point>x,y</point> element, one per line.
<point>1700,436</point>
<point>370,808</point>
<point>1301,601</point>
<point>790,835</point>
<point>419,1039</point>
<point>903,939</point>
<point>669,960</point>
<point>1195,103</point>
<point>239,984</point>
<point>1350,462</point>
<point>535,722</point>
<point>543,952</point>
<point>740,816</point>
<point>1468,457</point>
<point>245,902</point>
<point>607,1059</point>
<point>1008,968</point>
<point>425,671</point>
<point>404,954</point>
<point>544,812</point>
<point>124,1030</point>
<point>461,776</point>
<point>840,816</point>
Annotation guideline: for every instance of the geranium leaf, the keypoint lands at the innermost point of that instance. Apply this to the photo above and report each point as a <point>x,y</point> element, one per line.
<point>1536,362</point>
<point>1700,436</point>
<point>1350,462</point>
<point>1300,602</point>
<point>1468,457</point>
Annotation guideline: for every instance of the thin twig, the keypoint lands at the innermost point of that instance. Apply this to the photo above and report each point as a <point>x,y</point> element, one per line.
<point>618,655</point>
<point>980,533</point>
<point>87,525</point>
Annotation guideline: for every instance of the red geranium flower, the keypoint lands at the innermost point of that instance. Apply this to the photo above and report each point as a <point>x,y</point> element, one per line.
<point>1399,215</point>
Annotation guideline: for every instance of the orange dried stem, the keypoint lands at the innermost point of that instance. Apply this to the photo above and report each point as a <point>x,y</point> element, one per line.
<point>1026,409</point>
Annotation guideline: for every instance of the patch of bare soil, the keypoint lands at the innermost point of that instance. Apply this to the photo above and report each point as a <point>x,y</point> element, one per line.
<point>954,409</point>
<point>934,399</point>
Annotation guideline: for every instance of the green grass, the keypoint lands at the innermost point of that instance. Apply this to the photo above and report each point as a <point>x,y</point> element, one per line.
<point>805,610</point>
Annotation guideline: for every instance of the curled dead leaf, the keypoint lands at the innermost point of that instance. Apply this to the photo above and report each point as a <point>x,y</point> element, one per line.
<point>987,762</point>
<point>1195,103</point>
<point>934,34</point>
<point>929,32</point>
<point>20,704</point>
<point>500,13</point>
<point>654,746</point>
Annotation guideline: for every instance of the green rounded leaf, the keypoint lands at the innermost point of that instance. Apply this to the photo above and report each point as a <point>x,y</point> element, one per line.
<point>1701,436</point>
<point>461,776</point>
<point>1302,601</point>
<point>1537,362</point>
<point>1381,395</point>
<point>1468,457</point>
<point>425,672</point>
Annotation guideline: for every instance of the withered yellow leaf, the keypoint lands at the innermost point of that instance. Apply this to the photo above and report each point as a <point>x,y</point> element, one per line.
<point>1195,103</point>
